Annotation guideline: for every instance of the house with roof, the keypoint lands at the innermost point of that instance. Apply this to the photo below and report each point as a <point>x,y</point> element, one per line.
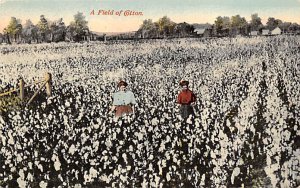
<point>203,32</point>
<point>265,32</point>
<point>276,31</point>
<point>253,33</point>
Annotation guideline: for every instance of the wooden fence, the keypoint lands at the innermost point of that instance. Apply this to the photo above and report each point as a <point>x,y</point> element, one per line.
<point>46,82</point>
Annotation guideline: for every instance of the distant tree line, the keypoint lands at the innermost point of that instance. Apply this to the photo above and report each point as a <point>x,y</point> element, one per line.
<point>55,31</point>
<point>45,30</point>
<point>164,27</point>
<point>239,25</point>
<point>223,26</point>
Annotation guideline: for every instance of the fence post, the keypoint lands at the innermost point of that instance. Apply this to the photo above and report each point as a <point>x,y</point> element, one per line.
<point>21,82</point>
<point>48,78</point>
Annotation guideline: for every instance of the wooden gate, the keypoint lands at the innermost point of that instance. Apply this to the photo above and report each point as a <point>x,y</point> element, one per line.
<point>46,82</point>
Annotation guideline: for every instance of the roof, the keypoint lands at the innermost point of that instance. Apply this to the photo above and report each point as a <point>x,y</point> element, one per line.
<point>277,30</point>
<point>200,30</point>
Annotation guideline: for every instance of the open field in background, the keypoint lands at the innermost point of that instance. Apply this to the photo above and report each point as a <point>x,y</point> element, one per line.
<point>246,130</point>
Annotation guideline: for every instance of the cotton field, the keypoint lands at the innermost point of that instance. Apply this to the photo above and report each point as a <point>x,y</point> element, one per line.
<point>245,132</point>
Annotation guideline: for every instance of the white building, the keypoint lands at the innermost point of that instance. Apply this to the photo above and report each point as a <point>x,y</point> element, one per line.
<point>276,31</point>
<point>253,33</point>
<point>265,32</point>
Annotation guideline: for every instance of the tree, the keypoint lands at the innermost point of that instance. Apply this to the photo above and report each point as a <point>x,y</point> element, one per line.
<point>14,29</point>
<point>1,38</point>
<point>78,28</point>
<point>57,30</point>
<point>166,26</point>
<point>255,22</point>
<point>285,26</point>
<point>294,28</point>
<point>222,25</point>
<point>272,23</point>
<point>183,29</point>
<point>148,29</point>
<point>30,32</point>
<point>218,24</point>
<point>238,25</point>
<point>43,28</point>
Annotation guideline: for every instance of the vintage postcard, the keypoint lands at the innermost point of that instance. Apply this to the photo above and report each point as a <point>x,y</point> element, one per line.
<point>139,93</point>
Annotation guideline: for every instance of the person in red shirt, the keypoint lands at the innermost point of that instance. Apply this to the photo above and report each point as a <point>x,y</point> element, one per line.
<point>186,98</point>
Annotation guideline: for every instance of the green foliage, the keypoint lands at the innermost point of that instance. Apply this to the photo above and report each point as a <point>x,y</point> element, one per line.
<point>78,28</point>
<point>30,31</point>
<point>14,28</point>
<point>10,102</point>
<point>43,27</point>
<point>285,26</point>
<point>184,29</point>
<point>255,22</point>
<point>148,29</point>
<point>58,30</point>
<point>272,23</point>
<point>222,25</point>
<point>164,27</point>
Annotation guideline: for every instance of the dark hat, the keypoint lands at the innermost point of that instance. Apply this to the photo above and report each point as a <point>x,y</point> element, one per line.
<point>184,83</point>
<point>122,83</point>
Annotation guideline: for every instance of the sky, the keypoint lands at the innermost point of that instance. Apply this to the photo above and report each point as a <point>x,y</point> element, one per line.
<point>190,11</point>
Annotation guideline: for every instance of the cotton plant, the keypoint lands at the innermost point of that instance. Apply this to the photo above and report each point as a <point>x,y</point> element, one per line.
<point>73,127</point>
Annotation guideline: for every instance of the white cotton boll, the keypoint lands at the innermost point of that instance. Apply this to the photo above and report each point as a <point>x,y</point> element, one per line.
<point>41,167</point>
<point>116,173</point>
<point>270,173</point>
<point>235,173</point>
<point>154,121</point>
<point>150,157</point>
<point>2,122</point>
<point>105,178</point>
<point>114,136</point>
<point>150,167</point>
<point>124,156</point>
<point>108,143</point>
<point>162,147</point>
<point>168,157</point>
<point>212,155</point>
<point>139,135</point>
<point>11,140</point>
<point>57,165</point>
<point>21,174</point>
<point>202,180</point>
<point>164,163</point>
<point>22,183</point>
<point>93,172</point>
<point>96,126</point>
<point>43,184</point>
<point>87,177</point>
<point>72,149</point>
<point>19,158</point>
<point>77,186</point>
<point>3,138</point>
<point>150,128</point>
<point>85,156</point>
<point>123,178</point>
<point>130,148</point>
<point>168,177</point>
<point>30,165</point>
<point>29,177</point>
<point>120,123</point>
